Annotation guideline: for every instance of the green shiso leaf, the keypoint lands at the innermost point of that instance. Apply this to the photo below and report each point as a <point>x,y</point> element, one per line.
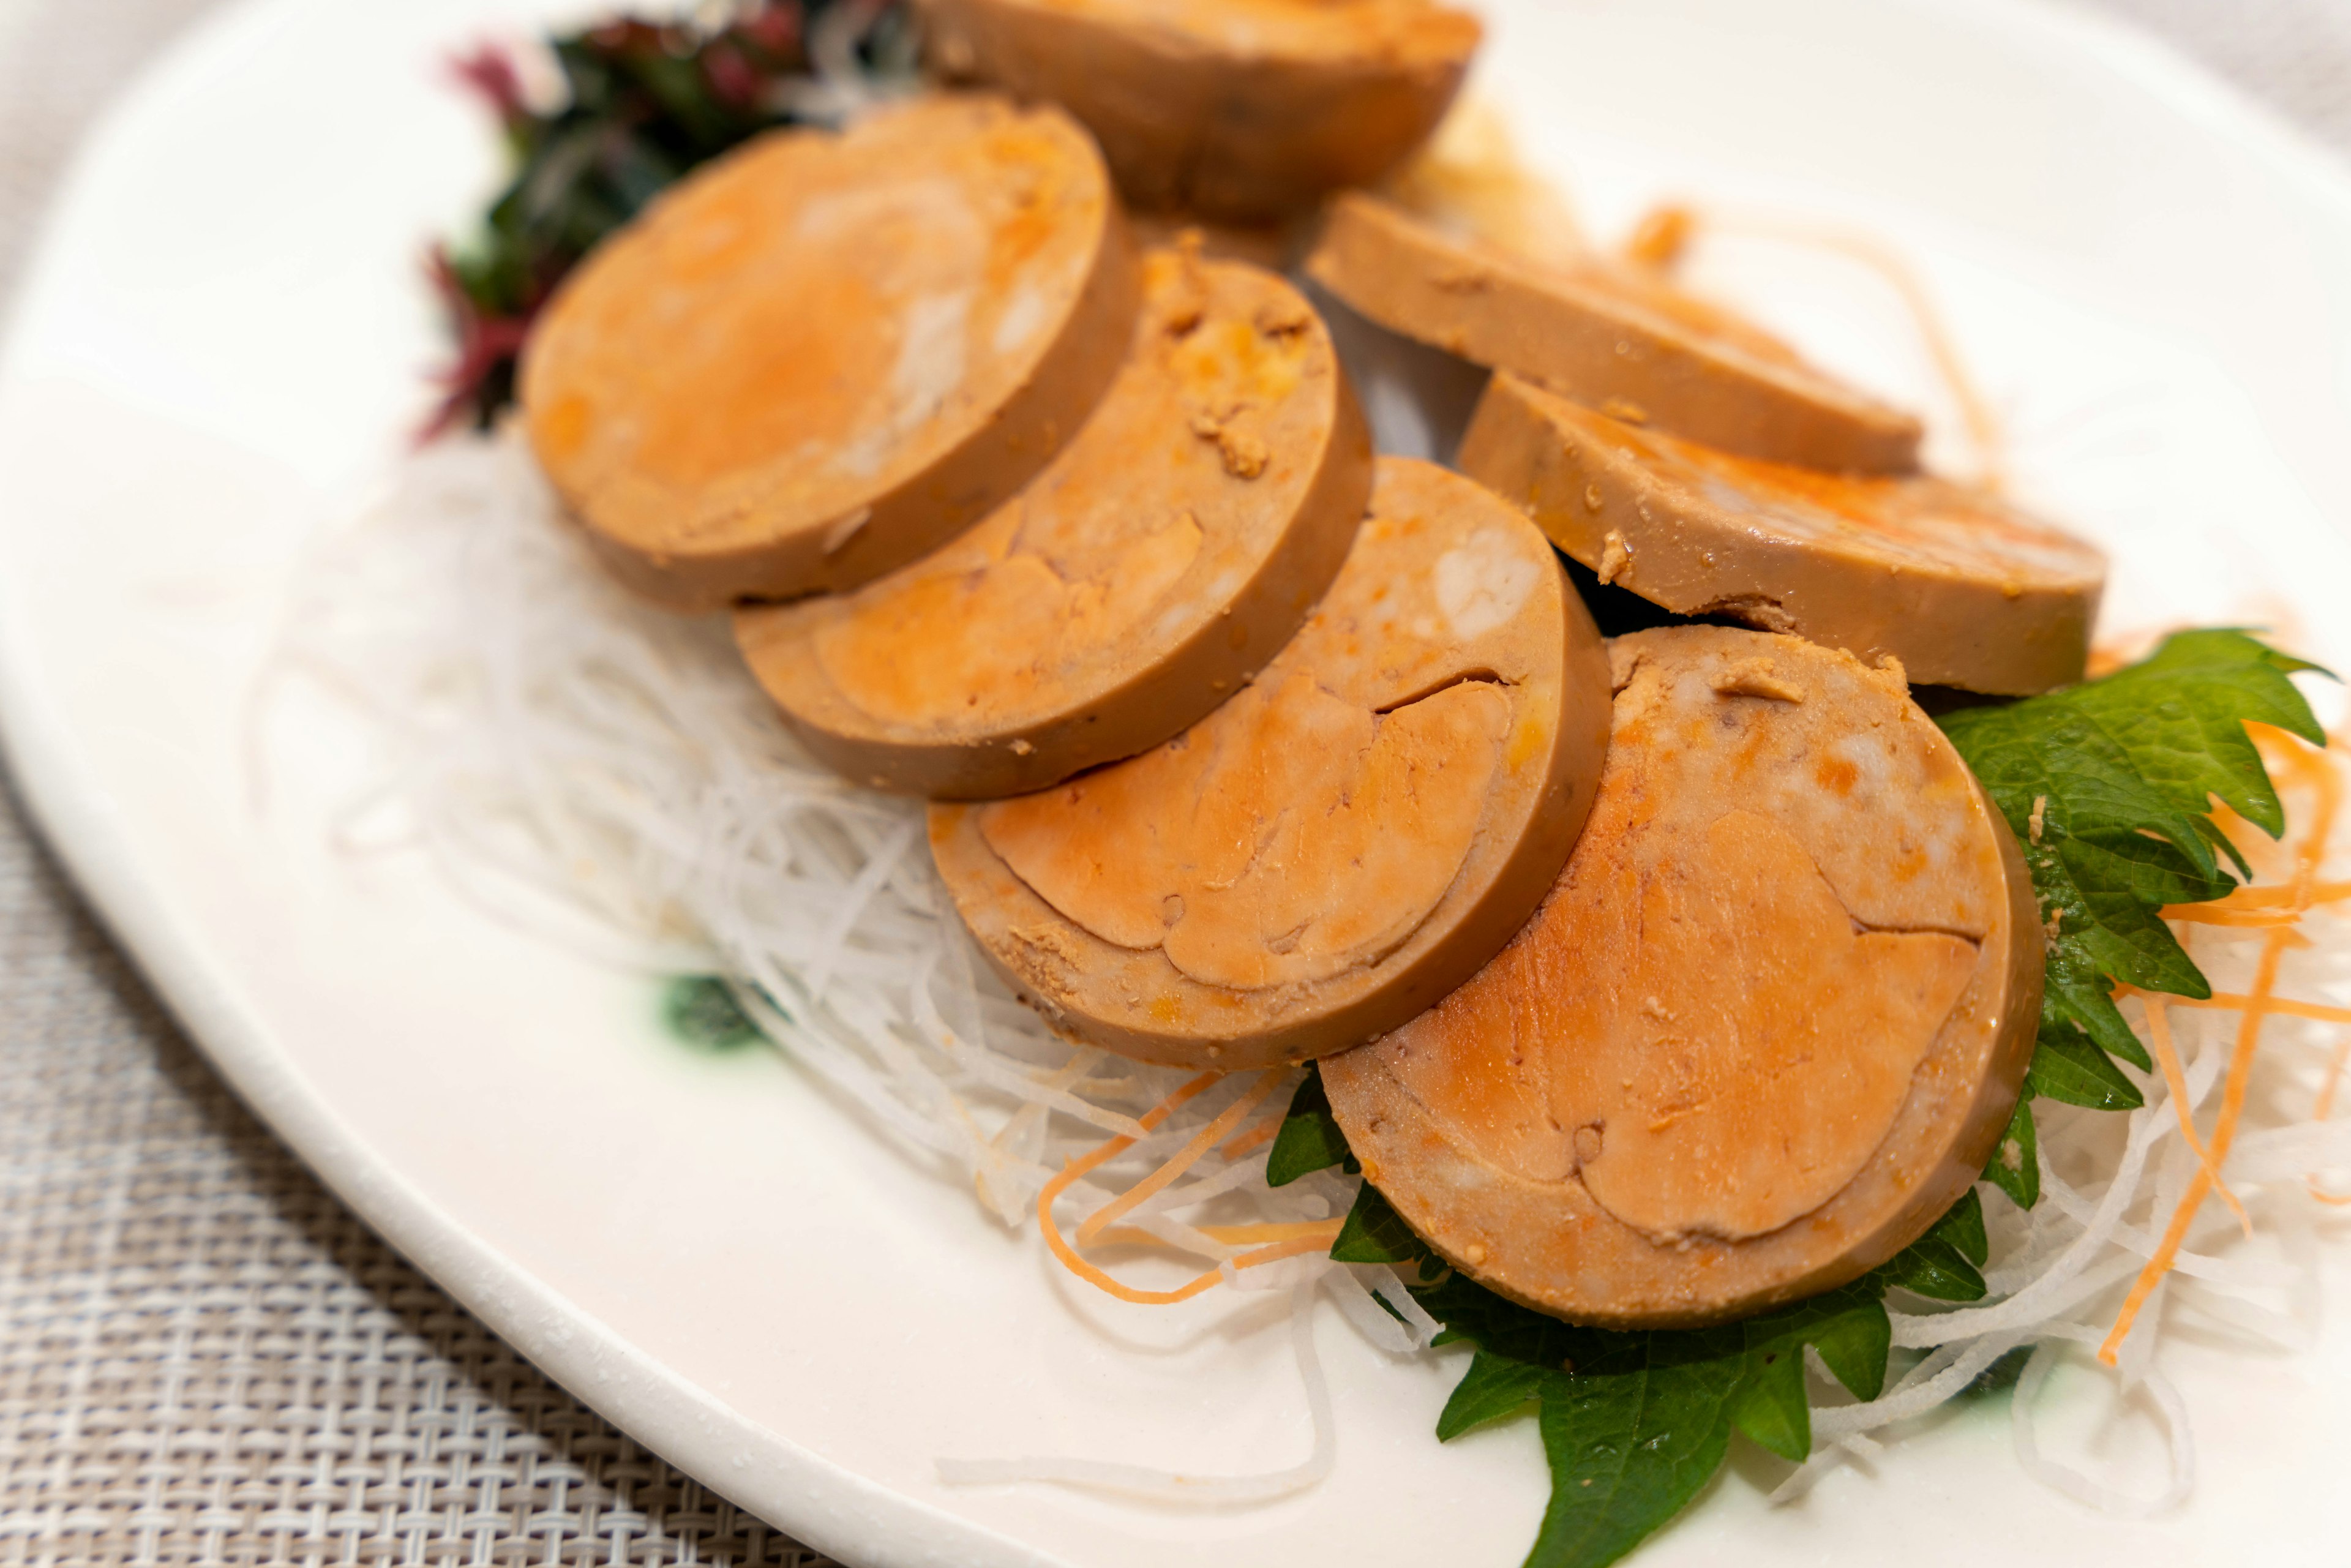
<point>1848,1326</point>
<point>701,1011</point>
<point>1631,1441</point>
<point>1375,1233</point>
<point>1493,1387</point>
<point>2109,788</point>
<point>2069,1067</point>
<point>1309,1139</point>
<point>2015,1164</point>
<point>1634,1424</point>
<point>1962,1227</point>
<point>1945,1262</point>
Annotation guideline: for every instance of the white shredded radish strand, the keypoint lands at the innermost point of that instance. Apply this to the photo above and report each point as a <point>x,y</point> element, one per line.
<point>2179,1480</point>
<point>606,774</point>
<point>2121,1193</point>
<point>1177,1486</point>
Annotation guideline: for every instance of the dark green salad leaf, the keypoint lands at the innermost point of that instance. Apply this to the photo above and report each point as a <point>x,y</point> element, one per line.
<point>2109,786</point>
<point>700,1010</point>
<point>1310,1139</point>
<point>2015,1166</point>
<point>1944,1263</point>
<point>1634,1424</point>
<point>643,103</point>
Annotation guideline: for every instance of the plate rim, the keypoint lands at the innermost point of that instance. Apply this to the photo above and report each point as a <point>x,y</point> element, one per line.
<point>696,1432</point>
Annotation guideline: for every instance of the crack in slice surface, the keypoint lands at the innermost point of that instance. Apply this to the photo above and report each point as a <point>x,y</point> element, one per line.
<point>1284,863</point>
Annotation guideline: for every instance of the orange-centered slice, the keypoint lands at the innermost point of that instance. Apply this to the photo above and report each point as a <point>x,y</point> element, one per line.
<point>1963,589</point>
<point>824,353</point>
<point>1768,1027</point>
<point>1239,108</point>
<point>1168,551</point>
<point>1607,336</point>
<point>1341,842</point>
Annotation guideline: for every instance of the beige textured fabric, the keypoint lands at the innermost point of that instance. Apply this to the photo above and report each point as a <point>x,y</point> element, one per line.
<point>203,1357</point>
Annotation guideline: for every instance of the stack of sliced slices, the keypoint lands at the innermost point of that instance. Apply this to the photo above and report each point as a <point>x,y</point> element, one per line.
<point>1656,982</point>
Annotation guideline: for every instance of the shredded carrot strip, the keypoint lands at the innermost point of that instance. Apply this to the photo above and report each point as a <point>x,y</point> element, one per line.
<point>1659,238</point>
<point>1291,1230</point>
<point>1227,1235</point>
<point>1079,1165</point>
<point>2257,1005</point>
<point>1662,238</point>
<point>2286,1007</point>
<point>1293,1242</point>
<point>2224,1133</point>
<point>1320,1241</point>
<point>2324,1109</point>
<point>1206,1138</point>
<point>2283,899</point>
<point>1252,1139</point>
<point>2167,1056</point>
<point>2326,1106</point>
<point>2245,919</point>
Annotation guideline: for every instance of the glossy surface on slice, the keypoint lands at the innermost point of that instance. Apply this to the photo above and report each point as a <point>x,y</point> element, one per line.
<point>1607,336</point>
<point>1168,551</point>
<point>1965,589</point>
<point>824,353</point>
<point>1340,844</point>
<point>1237,109</point>
<point>1766,1029</point>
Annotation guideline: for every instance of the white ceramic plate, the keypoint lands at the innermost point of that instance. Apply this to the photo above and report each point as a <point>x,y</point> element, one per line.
<point>223,339</point>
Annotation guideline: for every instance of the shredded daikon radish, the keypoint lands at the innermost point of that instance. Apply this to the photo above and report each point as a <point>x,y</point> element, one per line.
<point>2119,1219</point>
<point>1177,1486</point>
<point>606,774</point>
<point>2180,1480</point>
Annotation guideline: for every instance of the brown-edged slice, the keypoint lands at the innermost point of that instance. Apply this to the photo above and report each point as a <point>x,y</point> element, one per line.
<point>1246,109</point>
<point>823,354</point>
<point>1963,588</point>
<point>1169,550</point>
<point>1606,335</point>
<point>1340,844</point>
<point>1769,1025</point>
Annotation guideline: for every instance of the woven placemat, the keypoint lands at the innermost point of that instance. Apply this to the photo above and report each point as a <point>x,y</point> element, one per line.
<point>204,1358</point>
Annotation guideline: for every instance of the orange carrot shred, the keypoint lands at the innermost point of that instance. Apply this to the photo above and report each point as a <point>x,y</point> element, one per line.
<point>2284,1007</point>
<point>2326,1106</point>
<point>1292,1240</point>
<point>2167,1056</point>
<point>2303,891</point>
<point>1251,1139</point>
<point>1664,236</point>
<point>1080,1164</point>
<point>2224,1133</point>
<point>1206,1138</point>
<point>1227,1235</point>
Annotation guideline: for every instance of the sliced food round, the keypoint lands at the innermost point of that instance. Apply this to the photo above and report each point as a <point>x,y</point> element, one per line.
<point>1606,335</point>
<point>1340,844</point>
<point>1158,563</point>
<point>825,353</point>
<point>1768,1028</point>
<point>1963,588</point>
<point>1237,109</point>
